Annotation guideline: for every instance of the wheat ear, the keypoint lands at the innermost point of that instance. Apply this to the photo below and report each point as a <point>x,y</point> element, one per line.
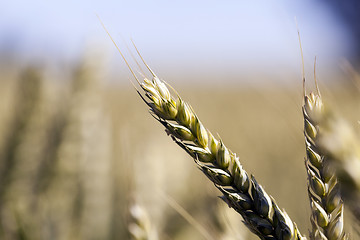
<point>342,147</point>
<point>241,192</point>
<point>140,227</point>
<point>260,212</point>
<point>327,218</point>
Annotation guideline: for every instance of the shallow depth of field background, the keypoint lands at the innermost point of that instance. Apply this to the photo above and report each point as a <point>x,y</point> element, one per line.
<point>78,146</point>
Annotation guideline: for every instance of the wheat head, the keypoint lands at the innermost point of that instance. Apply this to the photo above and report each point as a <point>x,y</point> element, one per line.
<point>327,218</point>
<point>260,212</point>
<point>140,227</point>
<point>341,146</point>
<point>240,191</point>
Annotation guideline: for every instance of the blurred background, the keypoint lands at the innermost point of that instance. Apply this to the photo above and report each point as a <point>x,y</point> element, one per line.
<point>79,153</point>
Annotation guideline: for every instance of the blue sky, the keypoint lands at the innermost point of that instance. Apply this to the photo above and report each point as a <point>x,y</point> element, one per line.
<point>229,34</point>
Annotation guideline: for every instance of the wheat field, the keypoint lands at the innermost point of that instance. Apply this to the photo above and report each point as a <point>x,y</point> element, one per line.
<point>77,154</point>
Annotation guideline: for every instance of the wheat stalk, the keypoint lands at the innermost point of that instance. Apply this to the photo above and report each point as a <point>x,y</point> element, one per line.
<point>327,218</point>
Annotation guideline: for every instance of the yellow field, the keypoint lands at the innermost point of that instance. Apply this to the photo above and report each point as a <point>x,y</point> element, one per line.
<point>75,154</point>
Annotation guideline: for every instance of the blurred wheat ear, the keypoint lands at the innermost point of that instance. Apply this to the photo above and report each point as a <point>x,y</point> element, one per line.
<point>14,168</point>
<point>27,102</point>
<point>339,143</point>
<point>140,227</point>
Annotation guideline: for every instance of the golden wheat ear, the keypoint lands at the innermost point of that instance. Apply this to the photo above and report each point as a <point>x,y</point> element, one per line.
<point>259,211</point>
<point>241,192</point>
<point>323,186</point>
<point>332,163</point>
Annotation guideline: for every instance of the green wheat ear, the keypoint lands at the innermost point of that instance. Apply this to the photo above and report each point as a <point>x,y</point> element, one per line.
<point>241,192</point>
<point>333,162</point>
<point>327,218</point>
